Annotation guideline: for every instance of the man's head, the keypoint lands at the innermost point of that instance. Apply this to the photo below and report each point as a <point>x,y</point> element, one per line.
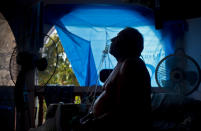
<point>128,43</point>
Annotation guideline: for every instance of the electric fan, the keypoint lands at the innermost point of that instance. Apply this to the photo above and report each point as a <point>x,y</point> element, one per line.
<point>45,61</point>
<point>178,73</point>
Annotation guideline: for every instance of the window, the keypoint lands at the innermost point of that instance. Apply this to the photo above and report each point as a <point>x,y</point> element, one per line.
<point>85,32</point>
<point>59,70</point>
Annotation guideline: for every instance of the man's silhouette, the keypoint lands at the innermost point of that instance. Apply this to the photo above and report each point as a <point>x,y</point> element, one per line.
<point>125,102</point>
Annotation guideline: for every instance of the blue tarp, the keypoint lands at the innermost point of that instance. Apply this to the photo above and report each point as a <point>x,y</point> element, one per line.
<point>85,32</point>
<point>80,55</point>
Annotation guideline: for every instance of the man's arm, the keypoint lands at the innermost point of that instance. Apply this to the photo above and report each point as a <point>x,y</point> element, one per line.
<point>101,104</point>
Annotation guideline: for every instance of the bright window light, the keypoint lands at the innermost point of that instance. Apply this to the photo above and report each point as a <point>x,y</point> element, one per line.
<point>85,30</point>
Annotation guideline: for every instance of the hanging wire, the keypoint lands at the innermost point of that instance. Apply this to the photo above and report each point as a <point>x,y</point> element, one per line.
<point>95,89</point>
<point>105,53</point>
<point>107,49</point>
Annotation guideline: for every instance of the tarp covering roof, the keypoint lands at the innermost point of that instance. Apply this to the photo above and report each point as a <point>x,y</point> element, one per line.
<point>85,32</point>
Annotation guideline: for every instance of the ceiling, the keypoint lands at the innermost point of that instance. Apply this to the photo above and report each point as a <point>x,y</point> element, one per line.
<point>168,9</point>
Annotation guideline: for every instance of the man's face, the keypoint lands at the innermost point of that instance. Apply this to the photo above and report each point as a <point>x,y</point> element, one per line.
<point>113,46</point>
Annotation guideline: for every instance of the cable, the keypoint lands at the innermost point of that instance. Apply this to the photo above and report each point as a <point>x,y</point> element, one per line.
<point>105,54</point>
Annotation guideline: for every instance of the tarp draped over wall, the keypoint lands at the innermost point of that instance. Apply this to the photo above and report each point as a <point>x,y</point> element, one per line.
<point>85,32</point>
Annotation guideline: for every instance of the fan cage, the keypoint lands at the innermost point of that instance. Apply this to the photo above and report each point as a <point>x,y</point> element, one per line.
<point>14,68</point>
<point>185,57</point>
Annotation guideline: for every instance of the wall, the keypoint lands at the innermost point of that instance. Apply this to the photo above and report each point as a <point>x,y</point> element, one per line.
<point>7,44</point>
<point>192,39</point>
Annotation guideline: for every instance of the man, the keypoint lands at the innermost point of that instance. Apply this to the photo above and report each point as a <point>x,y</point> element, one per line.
<point>125,102</point>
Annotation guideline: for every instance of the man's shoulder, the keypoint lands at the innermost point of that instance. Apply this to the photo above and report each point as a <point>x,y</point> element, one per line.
<point>133,62</point>
<point>131,65</point>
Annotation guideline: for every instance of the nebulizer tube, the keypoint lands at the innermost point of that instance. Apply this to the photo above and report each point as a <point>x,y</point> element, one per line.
<point>104,55</point>
<point>95,89</point>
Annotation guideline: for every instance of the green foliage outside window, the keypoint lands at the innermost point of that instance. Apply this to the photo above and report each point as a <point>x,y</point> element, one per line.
<point>64,74</point>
